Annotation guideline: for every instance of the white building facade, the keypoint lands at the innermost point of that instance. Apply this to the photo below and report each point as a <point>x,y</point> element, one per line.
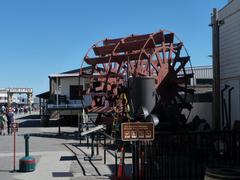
<point>202,84</point>
<point>229,52</point>
<point>16,99</point>
<point>64,91</point>
<point>3,96</point>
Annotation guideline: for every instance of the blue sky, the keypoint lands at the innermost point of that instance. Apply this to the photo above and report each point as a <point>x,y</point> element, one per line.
<point>42,37</point>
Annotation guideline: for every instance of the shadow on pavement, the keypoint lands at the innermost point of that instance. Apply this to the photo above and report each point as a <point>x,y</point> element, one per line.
<point>36,122</point>
<point>64,135</point>
<point>30,123</point>
<point>5,170</point>
<point>62,174</point>
<point>127,169</point>
<point>30,116</point>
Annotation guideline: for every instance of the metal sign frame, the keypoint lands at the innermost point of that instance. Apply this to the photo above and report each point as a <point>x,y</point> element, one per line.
<point>20,90</point>
<point>14,127</point>
<point>137,131</point>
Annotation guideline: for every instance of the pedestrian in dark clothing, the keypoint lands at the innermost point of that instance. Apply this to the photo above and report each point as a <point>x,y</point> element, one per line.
<point>10,119</point>
<point>3,123</point>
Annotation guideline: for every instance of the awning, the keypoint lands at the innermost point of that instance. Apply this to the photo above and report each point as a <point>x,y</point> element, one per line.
<point>44,95</point>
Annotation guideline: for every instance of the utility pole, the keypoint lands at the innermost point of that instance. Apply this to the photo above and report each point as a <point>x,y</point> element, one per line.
<point>216,71</point>
<point>57,101</point>
<point>57,91</point>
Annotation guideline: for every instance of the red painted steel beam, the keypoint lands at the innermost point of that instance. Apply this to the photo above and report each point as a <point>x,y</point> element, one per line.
<point>159,38</point>
<point>115,58</point>
<point>123,47</point>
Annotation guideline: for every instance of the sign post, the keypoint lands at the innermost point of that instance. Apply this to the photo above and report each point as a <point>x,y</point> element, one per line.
<point>92,131</point>
<point>135,132</point>
<point>14,150</point>
<point>14,130</point>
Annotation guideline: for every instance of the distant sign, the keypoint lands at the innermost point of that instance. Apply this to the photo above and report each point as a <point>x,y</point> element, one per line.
<point>15,127</point>
<point>137,131</point>
<point>20,90</point>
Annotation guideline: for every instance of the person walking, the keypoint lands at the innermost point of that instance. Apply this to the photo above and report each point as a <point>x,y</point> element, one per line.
<point>3,109</point>
<point>10,120</point>
<point>3,122</point>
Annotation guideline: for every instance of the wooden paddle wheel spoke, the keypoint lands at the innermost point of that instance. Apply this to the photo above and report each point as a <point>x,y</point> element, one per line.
<point>160,60</point>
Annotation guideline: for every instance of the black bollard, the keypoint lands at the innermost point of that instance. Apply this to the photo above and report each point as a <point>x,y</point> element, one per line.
<point>26,137</point>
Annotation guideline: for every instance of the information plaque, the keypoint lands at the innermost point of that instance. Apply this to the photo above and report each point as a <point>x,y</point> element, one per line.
<point>137,131</point>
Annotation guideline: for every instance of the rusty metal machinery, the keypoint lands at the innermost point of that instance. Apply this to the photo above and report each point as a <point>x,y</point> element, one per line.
<point>161,56</point>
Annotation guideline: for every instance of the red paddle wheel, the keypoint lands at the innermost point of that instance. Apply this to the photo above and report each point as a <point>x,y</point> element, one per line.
<point>160,55</point>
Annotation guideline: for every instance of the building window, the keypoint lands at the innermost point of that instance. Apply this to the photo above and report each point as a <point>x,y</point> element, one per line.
<point>75,92</point>
<point>204,81</point>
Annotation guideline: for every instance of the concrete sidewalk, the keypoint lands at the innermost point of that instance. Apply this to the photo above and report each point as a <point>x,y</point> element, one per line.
<point>48,164</point>
<point>97,168</point>
<point>58,157</point>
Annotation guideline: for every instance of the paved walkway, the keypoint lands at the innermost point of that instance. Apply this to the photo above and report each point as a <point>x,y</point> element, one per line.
<point>48,164</point>
<point>58,157</point>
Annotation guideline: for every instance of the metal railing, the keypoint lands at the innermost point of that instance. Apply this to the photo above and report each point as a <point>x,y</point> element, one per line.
<point>64,106</point>
<point>186,155</point>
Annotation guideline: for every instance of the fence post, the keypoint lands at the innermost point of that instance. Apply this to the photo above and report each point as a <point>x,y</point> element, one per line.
<point>116,167</point>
